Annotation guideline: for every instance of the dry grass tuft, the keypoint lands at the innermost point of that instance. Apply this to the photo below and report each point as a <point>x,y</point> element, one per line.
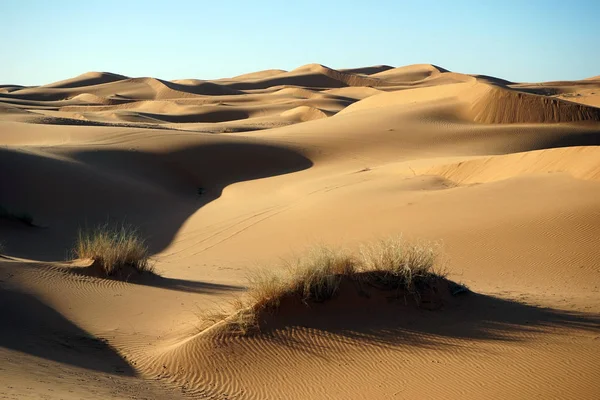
<point>317,276</point>
<point>116,250</point>
<point>237,319</point>
<point>391,263</point>
<point>401,264</point>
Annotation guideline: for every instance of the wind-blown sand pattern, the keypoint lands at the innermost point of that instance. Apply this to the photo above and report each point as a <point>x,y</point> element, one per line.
<point>223,177</point>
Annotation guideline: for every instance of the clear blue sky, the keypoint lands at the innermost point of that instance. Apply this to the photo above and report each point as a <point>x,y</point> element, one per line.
<point>522,40</point>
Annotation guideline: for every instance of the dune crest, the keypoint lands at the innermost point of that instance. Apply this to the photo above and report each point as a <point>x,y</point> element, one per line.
<point>87,79</point>
<point>485,103</point>
<point>499,105</point>
<point>349,79</point>
<point>367,70</point>
<point>579,162</point>
<point>304,113</point>
<point>410,73</point>
<point>259,75</point>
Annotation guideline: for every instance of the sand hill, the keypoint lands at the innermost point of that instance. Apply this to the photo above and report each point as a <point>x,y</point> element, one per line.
<point>224,178</point>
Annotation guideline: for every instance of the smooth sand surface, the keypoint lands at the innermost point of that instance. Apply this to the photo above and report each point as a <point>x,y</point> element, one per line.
<point>223,177</point>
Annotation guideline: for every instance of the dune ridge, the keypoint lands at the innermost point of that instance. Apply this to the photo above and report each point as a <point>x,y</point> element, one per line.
<point>499,105</point>
<point>478,98</point>
<point>485,103</point>
<point>579,162</point>
<point>87,79</point>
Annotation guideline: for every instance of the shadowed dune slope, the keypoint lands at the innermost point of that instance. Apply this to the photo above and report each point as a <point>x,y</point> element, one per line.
<point>505,106</point>
<point>146,190</point>
<point>484,103</point>
<point>367,70</point>
<point>36,329</point>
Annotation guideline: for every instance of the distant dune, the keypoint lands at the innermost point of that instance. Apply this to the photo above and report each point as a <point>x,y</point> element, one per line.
<point>477,98</point>
<point>87,79</point>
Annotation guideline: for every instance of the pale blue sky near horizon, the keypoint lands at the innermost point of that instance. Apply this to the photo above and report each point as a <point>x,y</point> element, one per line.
<point>530,40</point>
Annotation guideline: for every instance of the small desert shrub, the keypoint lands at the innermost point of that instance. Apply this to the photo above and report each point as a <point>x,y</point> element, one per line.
<point>391,263</point>
<point>113,249</point>
<point>266,288</point>
<point>397,263</point>
<point>238,318</point>
<point>317,276</point>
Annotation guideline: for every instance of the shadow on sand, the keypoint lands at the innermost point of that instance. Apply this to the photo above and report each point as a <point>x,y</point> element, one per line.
<point>155,192</point>
<point>32,327</point>
<point>153,280</point>
<point>470,317</point>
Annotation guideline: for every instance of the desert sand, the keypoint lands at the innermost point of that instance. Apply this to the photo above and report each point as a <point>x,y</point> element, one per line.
<point>227,176</point>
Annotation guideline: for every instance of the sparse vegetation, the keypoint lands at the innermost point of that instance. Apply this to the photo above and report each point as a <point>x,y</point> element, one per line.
<point>116,250</point>
<point>400,264</point>
<point>391,264</point>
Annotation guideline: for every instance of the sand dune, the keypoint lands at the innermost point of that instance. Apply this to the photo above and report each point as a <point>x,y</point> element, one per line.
<point>258,75</point>
<point>129,88</point>
<point>310,75</point>
<point>367,70</point>
<point>485,103</point>
<point>410,73</point>
<point>225,177</point>
<point>579,162</point>
<point>89,98</point>
<point>504,106</point>
<point>304,113</point>
<point>87,79</point>
<point>355,93</point>
<point>9,88</point>
<point>97,98</point>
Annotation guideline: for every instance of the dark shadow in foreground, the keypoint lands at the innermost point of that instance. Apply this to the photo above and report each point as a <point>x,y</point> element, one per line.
<point>32,327</point>
<point>154,192</point>
<point>468,317</point>
<point>157,281</point>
